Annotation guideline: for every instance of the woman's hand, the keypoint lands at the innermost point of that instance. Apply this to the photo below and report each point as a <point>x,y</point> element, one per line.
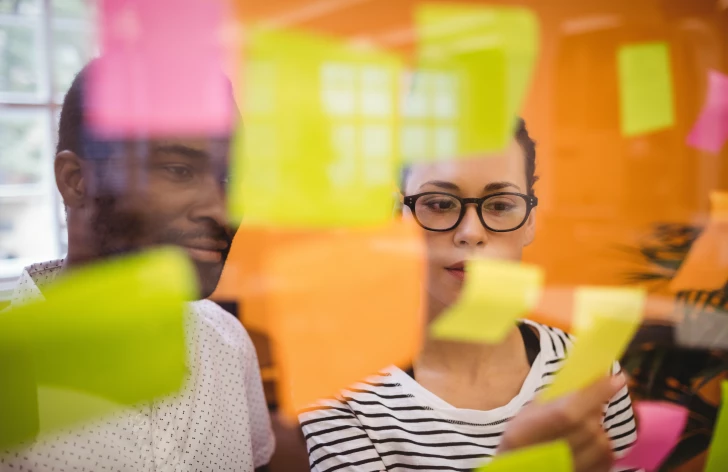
<point>576,418</point>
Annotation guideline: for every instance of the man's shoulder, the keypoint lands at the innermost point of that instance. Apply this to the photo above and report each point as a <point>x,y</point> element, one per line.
<point>219,323</point>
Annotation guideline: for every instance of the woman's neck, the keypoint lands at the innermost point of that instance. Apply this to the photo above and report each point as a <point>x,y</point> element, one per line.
<point>472,375</point>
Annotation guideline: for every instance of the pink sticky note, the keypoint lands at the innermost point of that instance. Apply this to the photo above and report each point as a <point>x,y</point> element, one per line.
<point>710,132</point>
<point>659,427</point>
<point>160,71</point>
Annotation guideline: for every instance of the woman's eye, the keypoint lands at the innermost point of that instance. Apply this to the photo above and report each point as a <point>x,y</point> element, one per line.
<point>440,205</point>
<point>499,207</point>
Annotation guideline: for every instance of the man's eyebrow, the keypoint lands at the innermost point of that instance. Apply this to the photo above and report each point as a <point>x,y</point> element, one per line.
<point>182,150</point>
<point>442,184</point>
<point>495,186</point>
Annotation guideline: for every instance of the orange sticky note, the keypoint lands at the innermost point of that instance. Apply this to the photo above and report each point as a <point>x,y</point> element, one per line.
<point>343,305</point>
<point>243,279</point>
<point>706,266</point>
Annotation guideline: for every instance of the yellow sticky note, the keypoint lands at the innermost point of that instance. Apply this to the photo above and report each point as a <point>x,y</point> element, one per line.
<point>474,66</point>
<point>494,295</point>
<point>718,455</point>
<point>318,146</point>
<point>645,88</point>
<point>106,336</point>
<point>553,456</point>
<point>605,319</point>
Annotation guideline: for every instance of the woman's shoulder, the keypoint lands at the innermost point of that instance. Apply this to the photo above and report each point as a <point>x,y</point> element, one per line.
<point>555,342</point>
<point>372,389</point>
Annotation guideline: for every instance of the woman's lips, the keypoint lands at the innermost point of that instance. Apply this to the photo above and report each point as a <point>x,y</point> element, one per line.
<point>457,273</point>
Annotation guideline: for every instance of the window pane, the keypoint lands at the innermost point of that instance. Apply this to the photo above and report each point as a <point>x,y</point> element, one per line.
<point>21,7</point>
<point>27,232</point>
<point>71,8</point>
<point>21,49</point>
<point>72,49</point>
<point>25,154</point>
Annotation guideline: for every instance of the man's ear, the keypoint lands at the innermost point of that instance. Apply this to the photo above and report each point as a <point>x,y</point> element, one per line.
<point>68,168</point>
<point>530,228</point>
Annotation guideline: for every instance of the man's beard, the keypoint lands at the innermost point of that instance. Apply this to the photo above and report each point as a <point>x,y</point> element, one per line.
<point>122,232</point>
<point>117,232</point>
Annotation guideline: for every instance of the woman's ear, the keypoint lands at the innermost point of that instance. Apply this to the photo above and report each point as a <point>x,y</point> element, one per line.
<point>68,168</point>
<point>530,229</point>
<point>397,210</point>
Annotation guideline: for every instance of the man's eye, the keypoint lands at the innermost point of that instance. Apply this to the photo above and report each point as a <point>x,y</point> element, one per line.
<point>179,172</point>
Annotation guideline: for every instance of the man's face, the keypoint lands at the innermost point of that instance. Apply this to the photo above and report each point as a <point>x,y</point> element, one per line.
<point>164,192</point>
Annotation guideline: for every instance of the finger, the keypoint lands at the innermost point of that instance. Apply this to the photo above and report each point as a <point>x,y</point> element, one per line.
<point>566,415</point>
<point>589,431</point>
<point>594,397</point>
<point>596,457</point>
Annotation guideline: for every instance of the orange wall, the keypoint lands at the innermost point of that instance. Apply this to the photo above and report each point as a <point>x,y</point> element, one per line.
<point>598,190</point>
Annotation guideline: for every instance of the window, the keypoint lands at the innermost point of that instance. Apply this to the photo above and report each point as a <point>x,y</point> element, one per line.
<point>43,44</point>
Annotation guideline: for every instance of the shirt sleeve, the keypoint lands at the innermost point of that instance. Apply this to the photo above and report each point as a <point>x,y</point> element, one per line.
<point>261,429</point>
<point>336,439</point>
<point>619,421</point>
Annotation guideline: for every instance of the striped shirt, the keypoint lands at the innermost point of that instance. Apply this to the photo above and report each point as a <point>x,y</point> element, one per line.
<point>390,422</point>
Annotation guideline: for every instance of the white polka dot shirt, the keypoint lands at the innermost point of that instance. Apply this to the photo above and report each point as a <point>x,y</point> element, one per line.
<point>218,422</point>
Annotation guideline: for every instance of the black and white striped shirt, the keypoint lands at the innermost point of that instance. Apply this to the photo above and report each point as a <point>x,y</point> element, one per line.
<point>390,422</point>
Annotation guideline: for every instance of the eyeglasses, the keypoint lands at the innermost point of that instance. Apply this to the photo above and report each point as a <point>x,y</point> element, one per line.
<point>499,212</point>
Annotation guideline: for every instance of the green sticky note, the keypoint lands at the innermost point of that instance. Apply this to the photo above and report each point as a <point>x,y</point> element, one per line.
<point>553,456</point>
<point>106,336</point>
<point>474,66</point>
<point>718,455</point>
<point>319,143</point>
<point>605,319</point>
<point>645,88</point>
<point>495,294</point>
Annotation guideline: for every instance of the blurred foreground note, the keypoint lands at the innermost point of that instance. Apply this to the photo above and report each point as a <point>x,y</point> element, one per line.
<point>106,336</point>
<point>474,67</point>
<point>660,425</point>
<point>605,319</point>
<point>495,294</point>
<point>710,132</point>
<point>553,456</point>
<point>161,70</point>
<point>319,143</point>
<point>706,265</point>
<point>645,88</point>
<point>718,454</point>
<point>346,304</point>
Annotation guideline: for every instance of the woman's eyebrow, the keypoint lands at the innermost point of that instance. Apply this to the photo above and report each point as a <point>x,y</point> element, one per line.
<point>442,184</point>
<point>495,186</point>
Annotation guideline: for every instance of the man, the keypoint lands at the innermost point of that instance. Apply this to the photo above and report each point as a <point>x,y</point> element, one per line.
<point>128,195</point>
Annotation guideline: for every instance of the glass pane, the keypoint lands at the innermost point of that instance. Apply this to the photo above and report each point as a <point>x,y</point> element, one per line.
<point>71,8</point>
<point>72,49</point>
<point>28,232</point>
<point>25,155</point>
<point>21,7</point>
<point>20,59</point>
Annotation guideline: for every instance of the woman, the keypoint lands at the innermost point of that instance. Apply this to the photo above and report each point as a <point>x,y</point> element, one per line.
<point>462,403</point>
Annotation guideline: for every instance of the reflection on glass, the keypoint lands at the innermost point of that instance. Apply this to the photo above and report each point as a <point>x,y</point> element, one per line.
<point>23,147</point>
<point>20,69</point>
<point>431,116</point>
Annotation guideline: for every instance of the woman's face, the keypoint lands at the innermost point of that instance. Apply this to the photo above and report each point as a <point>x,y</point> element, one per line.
<point>447,251</point>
